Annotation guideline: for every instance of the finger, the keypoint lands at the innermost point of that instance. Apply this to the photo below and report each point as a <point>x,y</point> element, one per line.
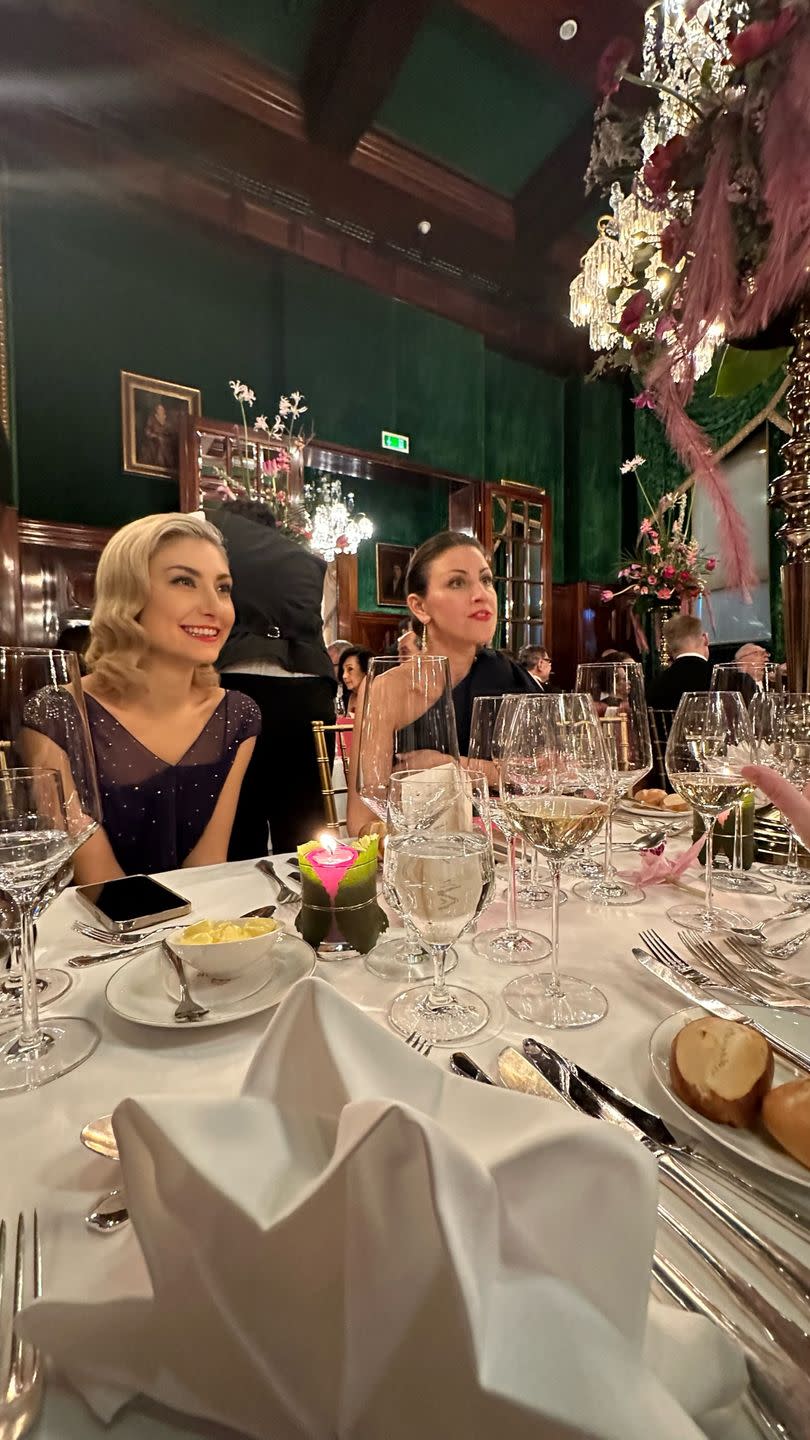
<point>793,804</point>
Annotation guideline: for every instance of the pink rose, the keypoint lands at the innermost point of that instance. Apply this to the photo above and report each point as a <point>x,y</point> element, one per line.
<point>607,595</point>
<point>614,61</point>
<point>674,239</point>
<point>644,401</point>
<point>633,312</point>
<point>711,563</point>
<point>668,572</point>
<point>759,37</point>
<point>660,169</point>
<point>664,593</point>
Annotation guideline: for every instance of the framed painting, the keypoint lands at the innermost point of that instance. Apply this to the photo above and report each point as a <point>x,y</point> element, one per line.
<point>150,423</point>
<point>392,567</point>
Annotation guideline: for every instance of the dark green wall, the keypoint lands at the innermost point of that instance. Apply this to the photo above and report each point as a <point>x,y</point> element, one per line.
<point>97,289</point>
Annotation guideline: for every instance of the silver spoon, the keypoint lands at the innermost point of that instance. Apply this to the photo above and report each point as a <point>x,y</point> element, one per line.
<point>108,1213</point>
<point>99,1137</point>
<point>752,934</point>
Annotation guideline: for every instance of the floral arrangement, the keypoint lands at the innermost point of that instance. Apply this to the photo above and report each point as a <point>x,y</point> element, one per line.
<point>735,184</point>
<point>271,486</point>
<point>667,566</point>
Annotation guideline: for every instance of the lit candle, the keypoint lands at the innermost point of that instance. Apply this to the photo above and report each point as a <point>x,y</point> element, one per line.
<point>331,862</point>
<point>339,910</point>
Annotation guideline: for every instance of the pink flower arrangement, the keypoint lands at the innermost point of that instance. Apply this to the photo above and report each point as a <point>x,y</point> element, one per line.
<point>667,565</point>
<point>759,37</point>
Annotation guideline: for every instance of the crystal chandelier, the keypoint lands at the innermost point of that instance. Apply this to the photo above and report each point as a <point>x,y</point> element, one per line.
<point>336,530</point>
<point>678,44</point>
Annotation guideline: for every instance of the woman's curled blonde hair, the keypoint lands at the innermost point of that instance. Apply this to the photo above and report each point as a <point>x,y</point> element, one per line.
<point>118,643</point>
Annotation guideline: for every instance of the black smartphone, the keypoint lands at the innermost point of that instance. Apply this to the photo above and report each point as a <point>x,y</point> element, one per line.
<point>132,902</point>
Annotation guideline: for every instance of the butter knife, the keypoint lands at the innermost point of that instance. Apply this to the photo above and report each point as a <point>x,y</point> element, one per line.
<point>697,995</point>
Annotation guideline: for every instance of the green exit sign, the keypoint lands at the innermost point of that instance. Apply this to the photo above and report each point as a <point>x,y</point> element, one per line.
<point>390,441</point>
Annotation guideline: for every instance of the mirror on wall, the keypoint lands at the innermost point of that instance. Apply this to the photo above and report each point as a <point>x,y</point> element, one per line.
<point>729,620</point>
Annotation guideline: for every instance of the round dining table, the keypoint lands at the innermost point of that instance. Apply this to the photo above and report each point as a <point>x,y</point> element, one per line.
<point>45,1165</point>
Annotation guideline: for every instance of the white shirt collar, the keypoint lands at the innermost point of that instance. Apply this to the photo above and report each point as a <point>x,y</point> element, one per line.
<point>689,655</point>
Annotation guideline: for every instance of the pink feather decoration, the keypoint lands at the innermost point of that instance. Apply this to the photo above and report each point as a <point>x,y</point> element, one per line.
<point>711,291</point>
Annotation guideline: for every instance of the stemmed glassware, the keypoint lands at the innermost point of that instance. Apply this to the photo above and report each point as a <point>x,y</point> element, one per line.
<point>408,725</point>
<point>781,729</point>
<point>709,743</point>
<point>556,787</point>
<point>617,691</point>
<point>51,984</point>
<point>489,724</point>
<point>737,879</point>
<point>441,879</point>
<point>49,805</point>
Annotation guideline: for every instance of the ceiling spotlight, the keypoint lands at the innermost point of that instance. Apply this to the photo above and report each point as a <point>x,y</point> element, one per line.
<point>424,227</point>
<point>568,29</point>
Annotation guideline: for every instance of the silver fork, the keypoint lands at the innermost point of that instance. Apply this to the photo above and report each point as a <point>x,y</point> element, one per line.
<point>419,1043</point>
<point>188,1010</point>
<point>764,966</point>
<point>21,1380</point>
<point>285,895</point>
<point>744,982</point>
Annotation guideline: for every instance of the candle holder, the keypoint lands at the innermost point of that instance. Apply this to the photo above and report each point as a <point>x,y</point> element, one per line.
<point>339,910</point>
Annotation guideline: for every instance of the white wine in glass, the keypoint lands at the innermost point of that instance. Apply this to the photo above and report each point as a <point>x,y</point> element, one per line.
<point>751,682</point>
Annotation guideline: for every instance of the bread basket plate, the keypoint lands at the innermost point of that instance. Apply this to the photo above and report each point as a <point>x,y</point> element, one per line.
<point>755,1146</point>
<point>655,813</point>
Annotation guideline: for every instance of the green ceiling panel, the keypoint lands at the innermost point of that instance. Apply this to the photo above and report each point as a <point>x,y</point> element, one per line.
<point>467,97</point>
<point>274,31</point>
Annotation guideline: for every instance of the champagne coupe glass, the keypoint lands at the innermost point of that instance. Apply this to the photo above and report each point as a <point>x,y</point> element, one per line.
<point>709,743</point>
<point>442,879</point>
<point>556,787</point>
<point>738,880</point>
<point>491,718</point>
<point>49,806</point>
<point>51,984</point>
<point>617,691</point>
<point>781,727</point>
<point>408,724</point>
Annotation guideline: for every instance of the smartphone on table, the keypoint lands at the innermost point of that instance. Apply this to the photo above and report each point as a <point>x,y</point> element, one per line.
<point>132,902</point>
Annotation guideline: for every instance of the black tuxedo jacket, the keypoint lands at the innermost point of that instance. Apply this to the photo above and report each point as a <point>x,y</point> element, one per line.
<point>690,672</point>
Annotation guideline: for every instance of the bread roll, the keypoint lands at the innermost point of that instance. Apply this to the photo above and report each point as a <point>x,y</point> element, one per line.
<point>675,802</point>
<point>722,1069</point>
<point>653,798</point>
<point>786,1116</point>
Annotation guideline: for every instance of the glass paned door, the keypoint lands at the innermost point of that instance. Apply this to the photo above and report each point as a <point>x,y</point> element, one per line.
<point>519,540</point>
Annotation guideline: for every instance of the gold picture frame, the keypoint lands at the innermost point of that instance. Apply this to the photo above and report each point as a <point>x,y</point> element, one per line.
<point>150,423</point>
<point>392,565</point>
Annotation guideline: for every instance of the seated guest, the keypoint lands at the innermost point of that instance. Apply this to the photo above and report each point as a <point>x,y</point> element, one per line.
<point>171,746</point>
<point>353,671</point>
<point>688,645</point>
<point>335,651</point>
<point>451,595</point>
<point>536,659</point>
<point>751,660</point>
<point>407,643</point>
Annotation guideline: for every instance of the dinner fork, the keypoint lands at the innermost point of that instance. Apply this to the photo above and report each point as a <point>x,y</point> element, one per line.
<point>285,895</point>
<point>21,1381</point>
<point>188,1010</point>
<point>759,962</point>
<point>419,1043</point>
<point>747,983</point>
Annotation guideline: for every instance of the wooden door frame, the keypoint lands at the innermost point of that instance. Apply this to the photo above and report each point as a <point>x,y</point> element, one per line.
<point>520,490</point>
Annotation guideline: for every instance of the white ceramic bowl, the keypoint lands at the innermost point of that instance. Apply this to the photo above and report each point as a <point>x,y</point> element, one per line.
<point>225,958</point>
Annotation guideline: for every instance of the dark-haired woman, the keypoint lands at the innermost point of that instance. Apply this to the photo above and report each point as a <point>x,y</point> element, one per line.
<point>276,655</point>
<point>451,594</point>
<point>353,671</point>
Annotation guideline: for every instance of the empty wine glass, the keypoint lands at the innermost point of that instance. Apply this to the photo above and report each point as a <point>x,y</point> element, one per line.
<point>556,787</point>
<point>709,743</point>
<point>745,683</point>
<point>509,944</point>
<point>407,725</point>
<point>51,984</point>
<point>617,691</point>
<point>49,805</point>
<point>781,728</point>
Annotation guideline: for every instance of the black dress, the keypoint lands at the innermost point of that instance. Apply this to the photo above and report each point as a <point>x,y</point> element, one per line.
<point>489,674</point>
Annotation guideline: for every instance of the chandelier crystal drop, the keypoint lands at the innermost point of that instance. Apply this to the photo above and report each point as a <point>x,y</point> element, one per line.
<point>336,530</point>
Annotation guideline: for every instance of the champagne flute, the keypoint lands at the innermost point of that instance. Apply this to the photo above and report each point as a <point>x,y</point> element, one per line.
<point>781,728</point>
<point>408,724</point>
<point>709,743</point>
<point>49,805</point>
<point>737,879</point>
<point>442,880</point>
<point>490,721</point>
<point>556,787</point>
<point>617,691</point>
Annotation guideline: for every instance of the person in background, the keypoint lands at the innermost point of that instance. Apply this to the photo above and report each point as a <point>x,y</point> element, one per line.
<point>335,650</point>
<point>353,671</point>
<point>751,660</point>
<point>537,661</point>
<point>276,655</point>
<point>688,646</point>
<point>74,635</point>
<point>172,748</point>
<point>616,657</point>
<point>407,643</point>
<point>451,595</point>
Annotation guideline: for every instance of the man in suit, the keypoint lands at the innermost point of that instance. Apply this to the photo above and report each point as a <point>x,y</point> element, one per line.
<point>688,645</point>
<point>537,661</point>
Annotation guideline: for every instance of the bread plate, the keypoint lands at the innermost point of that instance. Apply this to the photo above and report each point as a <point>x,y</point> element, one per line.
<point>755,1146</point>
<point>656,814</point>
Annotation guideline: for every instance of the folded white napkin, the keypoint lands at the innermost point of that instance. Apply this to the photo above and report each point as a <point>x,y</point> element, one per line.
<point>363,1246</point>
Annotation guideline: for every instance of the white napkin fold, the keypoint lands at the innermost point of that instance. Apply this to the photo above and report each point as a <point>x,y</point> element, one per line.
<point>363,1246</point>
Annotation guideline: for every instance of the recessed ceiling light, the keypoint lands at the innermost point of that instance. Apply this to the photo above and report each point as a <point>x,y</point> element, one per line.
<point>568,29</point>
<point>424,227</point>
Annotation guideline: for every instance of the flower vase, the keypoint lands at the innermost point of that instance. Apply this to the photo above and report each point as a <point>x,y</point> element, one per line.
<point>653,622</point>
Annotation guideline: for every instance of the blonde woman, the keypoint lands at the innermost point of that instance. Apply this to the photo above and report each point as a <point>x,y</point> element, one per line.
<point>171,746</point>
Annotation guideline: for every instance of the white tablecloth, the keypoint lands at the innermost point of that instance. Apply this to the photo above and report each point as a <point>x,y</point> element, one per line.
<point>44,1164</point>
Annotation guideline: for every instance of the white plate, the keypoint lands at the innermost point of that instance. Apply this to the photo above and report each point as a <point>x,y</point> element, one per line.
<point>141,990</point>
<point>655,813</point>
<point>755,1146</point>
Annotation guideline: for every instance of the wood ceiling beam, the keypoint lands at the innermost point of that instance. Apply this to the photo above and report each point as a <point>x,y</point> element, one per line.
<point>355,55</point>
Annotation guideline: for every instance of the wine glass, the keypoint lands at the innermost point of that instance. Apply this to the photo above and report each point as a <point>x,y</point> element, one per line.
<point>737,879</point>
<point>556,787</point>
<point>709,743</point>
<point>49,805</point>
<point>51,984</point>
<point>441,880</point>
<point>408,724</point>
<point>490,721</point>
<point>781,727</point>
<point>617,691</point>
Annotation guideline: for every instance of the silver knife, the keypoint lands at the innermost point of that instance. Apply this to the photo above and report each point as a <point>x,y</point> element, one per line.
<point>784,1268</point>
<point>707,1001</point>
